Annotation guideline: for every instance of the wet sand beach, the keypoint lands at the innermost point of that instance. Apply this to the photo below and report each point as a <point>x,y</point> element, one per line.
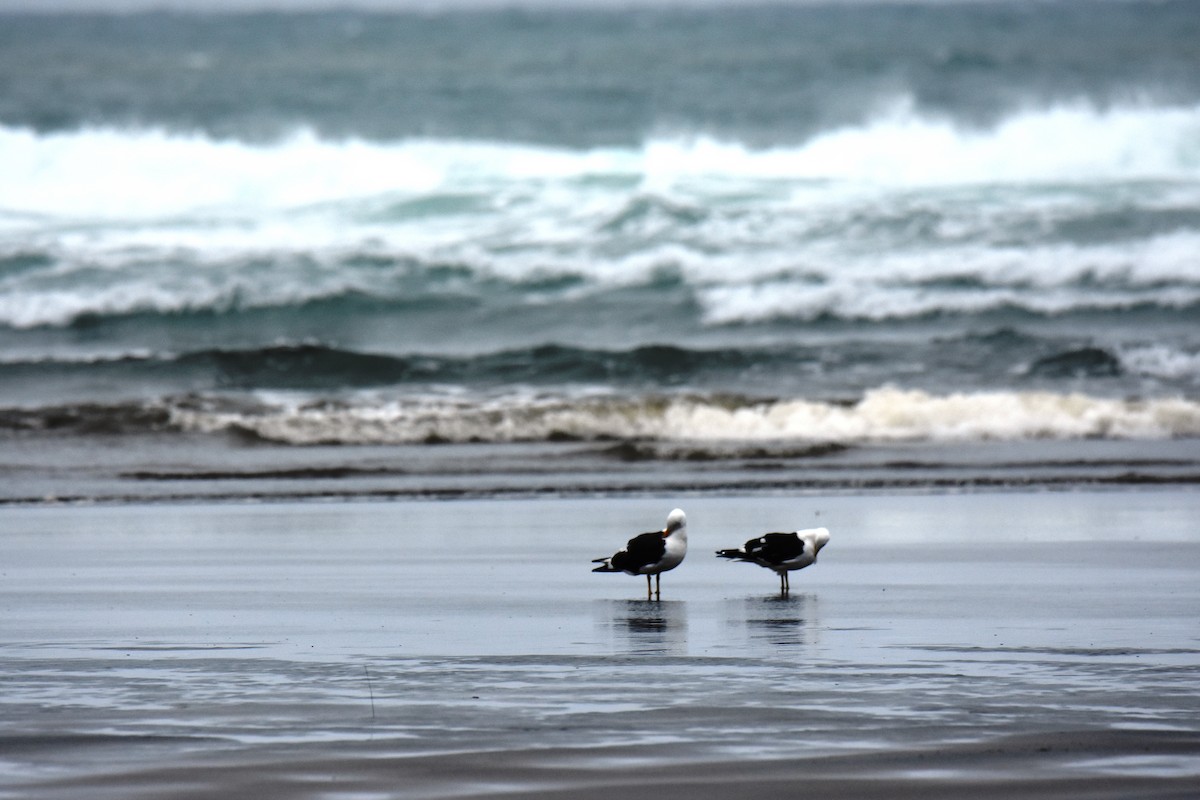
<point>1031,644</point>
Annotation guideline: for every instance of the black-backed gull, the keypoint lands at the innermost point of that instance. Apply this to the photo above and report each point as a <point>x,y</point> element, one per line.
<point>651,553</point>
<point>782,552</point>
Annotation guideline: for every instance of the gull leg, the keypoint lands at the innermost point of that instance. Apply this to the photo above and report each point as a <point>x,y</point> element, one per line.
<point>658,586</point>
<point>649,589</point>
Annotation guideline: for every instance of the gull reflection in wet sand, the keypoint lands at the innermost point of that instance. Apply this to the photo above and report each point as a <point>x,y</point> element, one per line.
<point>775,620</point>
<point>645,626</point>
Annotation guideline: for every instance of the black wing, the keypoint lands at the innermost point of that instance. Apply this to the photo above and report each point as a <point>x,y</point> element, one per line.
<point>775,548</point>
<point>642,550</point>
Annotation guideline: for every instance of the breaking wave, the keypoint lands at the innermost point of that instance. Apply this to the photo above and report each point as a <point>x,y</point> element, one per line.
<point>881,415</point>
<point>156,174</point>
<point>1048,212</point>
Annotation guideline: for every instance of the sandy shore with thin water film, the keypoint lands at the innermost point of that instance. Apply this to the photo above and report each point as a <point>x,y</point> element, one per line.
<point>1013,644</point>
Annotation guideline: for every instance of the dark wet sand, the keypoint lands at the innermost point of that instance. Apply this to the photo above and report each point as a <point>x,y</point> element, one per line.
<point>946,645</point>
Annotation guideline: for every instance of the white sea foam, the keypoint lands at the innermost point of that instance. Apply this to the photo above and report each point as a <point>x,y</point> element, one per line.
<point>899,217</point>
<point>107,173</point>
<point>885,414</point>
<point>1045,279</point>
<point>1160,361</point>
<point>1065,143</point>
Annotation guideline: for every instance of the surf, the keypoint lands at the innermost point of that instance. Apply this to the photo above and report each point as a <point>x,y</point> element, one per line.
<point>158,173</point>
<point>883,415</point>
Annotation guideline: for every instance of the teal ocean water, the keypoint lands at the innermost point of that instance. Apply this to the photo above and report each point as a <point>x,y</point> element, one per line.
<point>842,222</point>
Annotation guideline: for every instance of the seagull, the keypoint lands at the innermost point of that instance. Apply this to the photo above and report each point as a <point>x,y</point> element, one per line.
<point>782,552</point>
<point>651,553</point>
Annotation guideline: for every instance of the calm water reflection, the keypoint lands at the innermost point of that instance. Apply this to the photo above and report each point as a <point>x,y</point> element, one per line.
<point>774,620</point>
<point>646,626</point>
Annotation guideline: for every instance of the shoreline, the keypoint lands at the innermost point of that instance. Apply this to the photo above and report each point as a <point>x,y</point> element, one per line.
<point>98,469</point>
<point>682,490</point>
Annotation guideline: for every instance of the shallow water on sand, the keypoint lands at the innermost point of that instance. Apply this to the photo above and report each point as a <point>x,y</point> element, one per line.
<point>142,639</point>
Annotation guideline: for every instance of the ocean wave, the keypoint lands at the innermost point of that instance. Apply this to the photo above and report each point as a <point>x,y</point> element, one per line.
<point>152,173</point>
<point>881,415</point>
<point>1062,143</point>
<point>1160,361</point>
<point>970,279</point>
<point>803,281</point>
<point>109,224</point>
<point>316,366</point>
<point>767,369</point>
